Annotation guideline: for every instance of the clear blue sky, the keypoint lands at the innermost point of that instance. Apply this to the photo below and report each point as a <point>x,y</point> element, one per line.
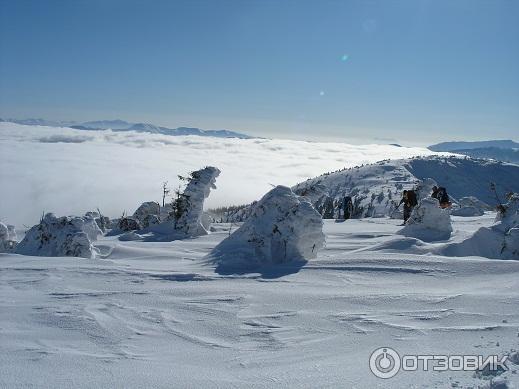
<point>412,71</point>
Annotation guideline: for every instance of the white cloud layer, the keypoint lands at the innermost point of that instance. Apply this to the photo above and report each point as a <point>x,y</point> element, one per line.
<point>68,171</point>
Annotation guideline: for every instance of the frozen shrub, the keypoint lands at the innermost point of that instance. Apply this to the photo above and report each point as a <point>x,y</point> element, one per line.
<point>282,227</point>
<point>64,236</point>
<point>428,221</point>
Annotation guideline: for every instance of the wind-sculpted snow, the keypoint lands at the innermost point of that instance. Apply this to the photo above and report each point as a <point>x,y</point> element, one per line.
<point>282,228</point>
<point>191,221</point>
<point>500,241</point>
<point>7,237</point>
<point>147,214</point>
<point>470,206</point>
<point>428,221</point>
<point>57,237</point>
<point>157,315</point>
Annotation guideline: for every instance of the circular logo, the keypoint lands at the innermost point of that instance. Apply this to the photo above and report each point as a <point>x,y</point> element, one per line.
<point>384,362</point>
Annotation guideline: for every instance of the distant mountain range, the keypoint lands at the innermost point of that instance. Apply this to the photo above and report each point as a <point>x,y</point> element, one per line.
<point>121,125</point>
<point>500,150</point>
<point>455,146</point>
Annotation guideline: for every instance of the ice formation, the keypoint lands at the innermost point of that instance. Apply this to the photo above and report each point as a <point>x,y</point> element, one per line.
<point>428,221</point>
<point>63,236</point>
<point>190,206</point>
<point>283,227</point>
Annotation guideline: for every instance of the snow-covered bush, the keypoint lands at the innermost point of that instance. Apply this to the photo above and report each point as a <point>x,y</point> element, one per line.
<point>103,222</point>
<point>428,221</point>
<point>188,208</point>
<point>500,241</point>
<point>283,227</point>
<point>129,223</point>
<point>129,236</point>
<point>64,236</point>
<point>7,237</point>
<point>148,213</point>
<point>470,206</point>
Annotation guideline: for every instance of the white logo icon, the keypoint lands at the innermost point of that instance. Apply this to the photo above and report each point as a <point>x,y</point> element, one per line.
<point>384,362</point>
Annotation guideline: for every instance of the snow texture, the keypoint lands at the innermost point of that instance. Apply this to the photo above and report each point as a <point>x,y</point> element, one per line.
<point>470,206</point>
<point>283,228</point>
<point>157,315</point>
<point>428,221</point>
<point>148,214</point>
<point>129,223</point>
<point>7,237</point>
<point>192,221</point>
<point>500,241</point>
<point>424,188</point>
<point>64,236</point>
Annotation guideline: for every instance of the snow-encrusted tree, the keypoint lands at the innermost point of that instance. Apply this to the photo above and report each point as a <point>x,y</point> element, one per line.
<point>282,227</point>
<point>501,240</point>
<point>7,237</point>
<point>428,221</point>
<point>63,236</point>
<point>188,206</point>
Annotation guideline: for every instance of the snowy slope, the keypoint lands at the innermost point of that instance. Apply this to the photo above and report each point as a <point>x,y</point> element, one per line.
<point>157,315</point>
<point>375,187</point>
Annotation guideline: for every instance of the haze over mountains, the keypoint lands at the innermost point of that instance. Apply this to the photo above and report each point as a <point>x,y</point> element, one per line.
<point>500,150</point>
<point>121,125</point>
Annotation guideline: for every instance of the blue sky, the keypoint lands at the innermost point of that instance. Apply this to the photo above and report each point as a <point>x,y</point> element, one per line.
<point>408,71</point>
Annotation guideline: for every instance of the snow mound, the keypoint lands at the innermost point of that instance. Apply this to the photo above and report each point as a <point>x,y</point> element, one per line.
<point>191,221</point>
<point>128,223</point>
<point>58,237</point>
<point>500,241</point>
<point>147,213</point>
<point>130,236</point>
<point>282,228</point>
<point>470,206</point>
<point>7,237</point>
<point>428,222</point>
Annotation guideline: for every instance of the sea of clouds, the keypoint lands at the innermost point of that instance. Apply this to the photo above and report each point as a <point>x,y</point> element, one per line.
<point>68,171</point>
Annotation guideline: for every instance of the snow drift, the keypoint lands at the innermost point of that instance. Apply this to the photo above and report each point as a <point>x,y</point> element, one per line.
<point>282,228</point>
<point>470,206</point>
<point>57,237</point>
<point>428,222</point>
<point>500,241</point>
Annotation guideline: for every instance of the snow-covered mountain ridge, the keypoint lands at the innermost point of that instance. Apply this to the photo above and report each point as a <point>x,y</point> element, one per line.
<point>376,188</point>
<point>121,125</point>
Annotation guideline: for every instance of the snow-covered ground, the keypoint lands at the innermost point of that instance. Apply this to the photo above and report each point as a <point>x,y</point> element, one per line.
<point>149,314</point>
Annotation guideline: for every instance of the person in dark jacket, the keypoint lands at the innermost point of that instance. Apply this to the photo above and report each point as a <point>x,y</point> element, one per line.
<point>410,201</point>
<point>442,196</point>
